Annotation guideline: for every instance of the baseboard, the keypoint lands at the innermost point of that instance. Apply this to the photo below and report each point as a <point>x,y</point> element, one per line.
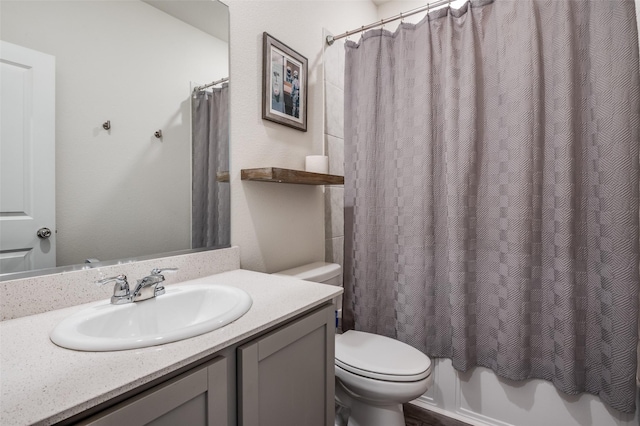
<point>430,407</point>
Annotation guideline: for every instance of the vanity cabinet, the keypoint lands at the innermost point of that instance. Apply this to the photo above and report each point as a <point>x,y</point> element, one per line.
<point>283,377</point>
<point>287,377</point>
<point>197,397</point>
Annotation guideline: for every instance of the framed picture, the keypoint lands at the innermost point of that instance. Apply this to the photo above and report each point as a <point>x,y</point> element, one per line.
<point>284,84</point>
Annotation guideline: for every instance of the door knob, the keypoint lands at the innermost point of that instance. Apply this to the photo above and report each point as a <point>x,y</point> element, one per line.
<point>43,233</point>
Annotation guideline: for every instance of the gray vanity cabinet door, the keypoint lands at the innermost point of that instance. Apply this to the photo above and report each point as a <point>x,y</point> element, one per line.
<point>286,378</point>
<point>197,397</point>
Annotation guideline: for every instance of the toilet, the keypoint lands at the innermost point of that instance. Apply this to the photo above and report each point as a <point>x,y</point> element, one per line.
<point>375,375</point>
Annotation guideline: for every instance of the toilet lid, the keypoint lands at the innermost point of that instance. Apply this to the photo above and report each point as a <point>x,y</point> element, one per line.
<point>379,357</point>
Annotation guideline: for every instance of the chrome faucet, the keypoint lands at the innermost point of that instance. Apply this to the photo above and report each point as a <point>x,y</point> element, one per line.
<point>120,289</point>
<point>146,288</point>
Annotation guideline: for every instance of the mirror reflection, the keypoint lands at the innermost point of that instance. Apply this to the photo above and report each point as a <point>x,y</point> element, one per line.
<point>113,137</point>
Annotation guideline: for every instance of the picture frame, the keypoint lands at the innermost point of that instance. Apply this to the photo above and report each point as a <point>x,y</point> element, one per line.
<point>284,84</point>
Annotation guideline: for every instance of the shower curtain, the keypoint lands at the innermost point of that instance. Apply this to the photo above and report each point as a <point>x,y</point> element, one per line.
<point>491,190</point>
<point>211,203</point>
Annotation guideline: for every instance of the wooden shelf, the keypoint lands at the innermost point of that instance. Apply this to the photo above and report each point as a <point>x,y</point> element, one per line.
<point>222,176</point>
<point>277,175</point>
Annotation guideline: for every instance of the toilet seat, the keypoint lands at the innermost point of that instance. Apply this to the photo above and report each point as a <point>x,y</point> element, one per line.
<point>379,357</point>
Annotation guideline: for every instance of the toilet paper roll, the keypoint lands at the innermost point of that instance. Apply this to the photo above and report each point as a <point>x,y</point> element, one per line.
<point>316,163</point>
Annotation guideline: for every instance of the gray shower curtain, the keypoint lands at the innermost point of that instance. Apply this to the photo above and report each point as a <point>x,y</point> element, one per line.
<point>211,204</point>
<point>491,190</point>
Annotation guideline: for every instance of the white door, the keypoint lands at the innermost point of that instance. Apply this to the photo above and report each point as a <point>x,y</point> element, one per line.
<point>27,159</point>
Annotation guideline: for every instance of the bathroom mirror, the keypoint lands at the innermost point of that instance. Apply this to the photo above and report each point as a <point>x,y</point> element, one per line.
<point>124,78</point>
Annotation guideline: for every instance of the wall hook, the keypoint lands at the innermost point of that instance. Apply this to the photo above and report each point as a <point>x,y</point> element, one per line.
<point>107,125</point>
<point>158,134</point>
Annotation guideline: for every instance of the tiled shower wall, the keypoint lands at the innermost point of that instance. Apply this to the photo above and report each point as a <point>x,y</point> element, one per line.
<point>334,148</point>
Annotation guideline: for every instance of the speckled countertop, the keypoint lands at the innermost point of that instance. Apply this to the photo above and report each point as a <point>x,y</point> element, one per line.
<point>42,383</point>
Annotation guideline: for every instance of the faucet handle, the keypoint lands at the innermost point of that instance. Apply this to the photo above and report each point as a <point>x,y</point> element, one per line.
<point>121,287</point>
<point>159,290</point>
<point>157,271</point>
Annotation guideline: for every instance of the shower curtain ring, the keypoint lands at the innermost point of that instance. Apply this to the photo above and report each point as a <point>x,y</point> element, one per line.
<point>402,17</point>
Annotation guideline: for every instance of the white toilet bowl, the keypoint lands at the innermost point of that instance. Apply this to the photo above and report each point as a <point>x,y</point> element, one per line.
<point>375,375</point>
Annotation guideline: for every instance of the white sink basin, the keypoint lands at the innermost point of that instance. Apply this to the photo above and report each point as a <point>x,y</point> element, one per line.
<point>182,312</point>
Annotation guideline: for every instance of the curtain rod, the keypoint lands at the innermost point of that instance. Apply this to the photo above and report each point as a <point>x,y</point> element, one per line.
<point>222,80</point>
<point>427,7</point>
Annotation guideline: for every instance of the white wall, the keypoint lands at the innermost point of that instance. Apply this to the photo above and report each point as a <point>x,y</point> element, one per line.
<point>122,185</point>
<point>638,14</point>
<point>334,61</point>
<point>278,226</point>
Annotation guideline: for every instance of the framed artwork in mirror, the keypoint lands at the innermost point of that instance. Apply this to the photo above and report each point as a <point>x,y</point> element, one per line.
<point>284,84</point>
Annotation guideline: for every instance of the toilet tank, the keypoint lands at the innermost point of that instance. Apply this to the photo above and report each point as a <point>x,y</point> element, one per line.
<point>319,272</point>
